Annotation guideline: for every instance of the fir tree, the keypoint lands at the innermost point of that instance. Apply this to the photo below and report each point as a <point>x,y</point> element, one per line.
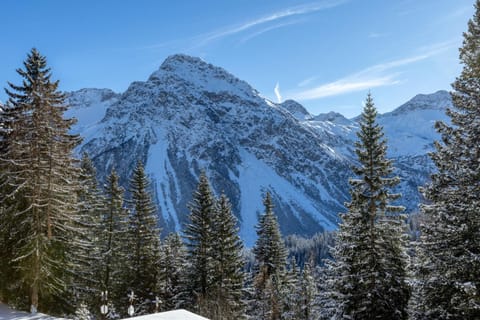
<point>449,275</point>
<point>199,241</point>
<point>39,178</point>
<point>114,247</point>
<point>173,277</point>
<point>144,239</point>
<point>227,256</point>
<point>370,262</point>
<point>270,255</point>
<point>307,295</point>
<point>86,280</point>
<point>290,294</point>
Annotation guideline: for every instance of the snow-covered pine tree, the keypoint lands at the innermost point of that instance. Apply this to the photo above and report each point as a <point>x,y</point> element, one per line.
<point>10,284</point>
<point>370,261</point>
<point>144,242</point>
<point>271,259</point>
<point>228,276</point>
<point>307,295</point>
<point>40,186</point>
<point>114,245</point>
<point>86,282</point>
<point>198,235</point>
<point>289,292</point>
<point>82,313</point>
<point>172,273</point>
<point>450,242</point>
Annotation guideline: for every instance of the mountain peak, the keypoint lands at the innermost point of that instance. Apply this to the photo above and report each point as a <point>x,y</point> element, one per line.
<point>333,117</point>
<point>172,62</point>
<point>439,100</point>
<point>182,69</point>
<point>296,109</point>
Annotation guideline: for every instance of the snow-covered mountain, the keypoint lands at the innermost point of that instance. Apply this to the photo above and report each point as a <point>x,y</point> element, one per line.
<point>190,115</point>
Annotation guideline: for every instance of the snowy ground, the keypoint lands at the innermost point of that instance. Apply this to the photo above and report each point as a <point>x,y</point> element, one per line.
<point>170,315</point>
<point>7,313</point>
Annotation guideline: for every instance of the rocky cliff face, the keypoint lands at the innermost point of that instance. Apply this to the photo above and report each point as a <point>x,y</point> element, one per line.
<point>191,116</point>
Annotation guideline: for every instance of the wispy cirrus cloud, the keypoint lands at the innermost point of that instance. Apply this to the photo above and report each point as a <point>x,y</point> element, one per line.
<point>275,16</point>
<point>379,75</point>
<point>344,86</point>
<point>270,28</point>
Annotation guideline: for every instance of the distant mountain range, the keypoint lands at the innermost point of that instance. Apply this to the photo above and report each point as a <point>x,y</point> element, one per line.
<point>190,115</point>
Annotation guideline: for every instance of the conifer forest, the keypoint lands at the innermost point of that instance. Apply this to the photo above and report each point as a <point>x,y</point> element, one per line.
<point>76,246</point>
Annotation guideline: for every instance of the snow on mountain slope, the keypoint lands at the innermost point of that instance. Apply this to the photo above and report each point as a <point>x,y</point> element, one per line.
<point>410,133</point>
<point>88,106</point>
<point>190,115</point>
<point>410,127</point>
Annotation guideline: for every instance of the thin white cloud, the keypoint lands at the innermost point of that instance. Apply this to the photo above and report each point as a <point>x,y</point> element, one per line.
<point>368,78</point>
<point>307,81</point>
<point>277,93</point>
<point>289,12</point>
<point>269,28</point>
<point>344,86</point>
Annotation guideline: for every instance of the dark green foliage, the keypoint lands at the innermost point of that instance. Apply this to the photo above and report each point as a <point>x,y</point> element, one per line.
<point>39,188</point>
<point>449,275</point>
<point>86,280</point>
<point>114,244</point>
<point>368,280</point>
<point>214,251</point>
<point>227,256</point>
<point>270,251</point>
<point>199,242</point>
<point>173,273</point>
<point>144,242</point>
<point>270,269</point>
<point>307,295</point>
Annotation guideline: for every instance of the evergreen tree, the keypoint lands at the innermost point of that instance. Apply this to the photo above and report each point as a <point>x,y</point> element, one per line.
<point>172,272</point>
<point>39,187</point>
<point>271,256</point>
<point>290,294</point>
<point>86,284</point>
<point>449,275</point>
<point>227,256</point>
<point>114,247</point>
<point>370,262</point>
<point>144,239</point>
<point>307,295</point>
<point>199,242</point>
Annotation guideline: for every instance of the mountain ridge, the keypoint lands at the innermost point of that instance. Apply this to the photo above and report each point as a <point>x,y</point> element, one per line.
<point>190,115</point>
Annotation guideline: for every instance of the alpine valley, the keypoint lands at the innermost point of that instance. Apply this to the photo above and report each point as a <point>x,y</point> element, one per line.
<point>191,116</point>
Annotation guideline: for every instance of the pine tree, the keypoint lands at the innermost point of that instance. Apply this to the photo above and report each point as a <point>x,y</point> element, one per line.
<point>227,256</point>
<point>271,256</point>
<point>449,275</point>
<point>115,249</point>
<point>144,238</point>
<point>172,272</point>
<point>307,293</point>
<point>290,294</point>
<point>39,178</point>
<point>199,241</point>
<point>86,284</point>
<point>370,262</point>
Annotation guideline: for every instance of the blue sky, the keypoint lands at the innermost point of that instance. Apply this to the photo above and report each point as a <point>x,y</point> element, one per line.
<point>326,54</point>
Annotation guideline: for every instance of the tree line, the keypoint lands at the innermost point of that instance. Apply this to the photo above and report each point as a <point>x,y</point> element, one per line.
<point>64,240</point>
